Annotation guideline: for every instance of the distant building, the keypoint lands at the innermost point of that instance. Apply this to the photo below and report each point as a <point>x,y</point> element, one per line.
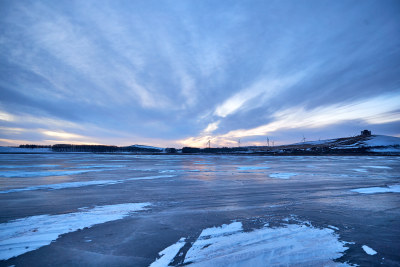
<point>366,133</point>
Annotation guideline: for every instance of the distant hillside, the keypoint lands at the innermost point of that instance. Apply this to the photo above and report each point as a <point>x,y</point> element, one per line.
<point>152,148</point>
<point>357,144</point>
<point>71,148</point>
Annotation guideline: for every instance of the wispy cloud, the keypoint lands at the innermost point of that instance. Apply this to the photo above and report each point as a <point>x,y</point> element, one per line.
<point>263,89</point>
<point>376,110</point>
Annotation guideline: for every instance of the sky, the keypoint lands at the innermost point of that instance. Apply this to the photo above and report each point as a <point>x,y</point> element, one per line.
<point>179,73</point>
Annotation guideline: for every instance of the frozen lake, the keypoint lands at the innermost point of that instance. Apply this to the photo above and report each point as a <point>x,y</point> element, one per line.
<point>160,210</point>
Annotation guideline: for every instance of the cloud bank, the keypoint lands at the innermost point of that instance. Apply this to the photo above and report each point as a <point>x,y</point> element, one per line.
<point>177,73</point>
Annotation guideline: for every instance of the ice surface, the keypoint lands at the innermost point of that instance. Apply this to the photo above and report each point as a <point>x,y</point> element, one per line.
<point>23,235</point>
<point>252,168</point>
<point>368,250</point>
<point>168,254</point>
<point>374,190</point>
<point>4,149</point>
<point>290,245</point>
<point>81,184</point>
<point>282,175</point>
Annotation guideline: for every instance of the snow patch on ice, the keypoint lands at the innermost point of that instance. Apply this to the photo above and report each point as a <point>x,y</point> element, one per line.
<point>289,245</point>
<point>23,235</point>
<point>374,190</point>
<point>369,250</point>
<point>282,175</point>
<point>168,254</point>
<point>245,168</point>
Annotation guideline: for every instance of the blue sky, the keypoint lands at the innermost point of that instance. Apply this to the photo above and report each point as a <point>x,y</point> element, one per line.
<point>178,73</point>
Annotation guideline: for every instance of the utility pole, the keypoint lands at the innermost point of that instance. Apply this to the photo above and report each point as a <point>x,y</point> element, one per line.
<point>304,139</point>
<point>267,141</point>
<point>209,143</point>
<point>273,143</point>
<point>239,142</point>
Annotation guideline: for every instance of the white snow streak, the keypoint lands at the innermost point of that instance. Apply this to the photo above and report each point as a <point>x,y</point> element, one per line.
<point>168,254</point>
<point>290,245</point>
<point>374,190</point>
<point>377,167</point>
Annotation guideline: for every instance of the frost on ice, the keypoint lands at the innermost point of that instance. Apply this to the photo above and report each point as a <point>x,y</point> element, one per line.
<point>289,245</point>
<point>23,235</point>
